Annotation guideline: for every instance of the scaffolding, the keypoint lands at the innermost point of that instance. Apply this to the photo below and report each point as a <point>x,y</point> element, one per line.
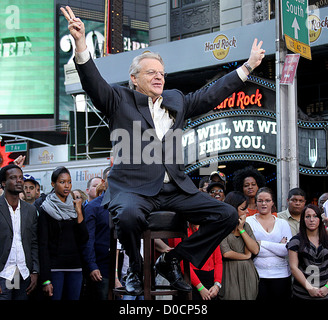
<point>85,105</point>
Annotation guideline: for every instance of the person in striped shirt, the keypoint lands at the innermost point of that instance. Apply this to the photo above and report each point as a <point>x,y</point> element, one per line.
<point>308,256</point>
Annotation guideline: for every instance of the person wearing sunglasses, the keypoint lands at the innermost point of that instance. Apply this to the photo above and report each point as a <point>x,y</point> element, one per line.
<point>216,190</point>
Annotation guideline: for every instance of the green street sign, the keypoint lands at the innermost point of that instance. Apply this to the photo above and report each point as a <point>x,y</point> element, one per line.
<point>295,26</point>
<point>16,147</point>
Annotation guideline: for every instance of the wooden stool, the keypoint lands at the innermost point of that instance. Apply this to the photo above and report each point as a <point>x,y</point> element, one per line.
<point>162,225</point>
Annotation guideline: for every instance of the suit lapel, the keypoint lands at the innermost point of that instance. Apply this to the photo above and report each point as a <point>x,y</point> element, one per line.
<point>170,103</point>
<point>143,107</point>
<point>23,215</point>
<point>4,210</point>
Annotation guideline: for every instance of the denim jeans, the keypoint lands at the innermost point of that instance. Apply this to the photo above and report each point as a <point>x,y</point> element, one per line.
<point>11,292</point>
<point>66,285</point>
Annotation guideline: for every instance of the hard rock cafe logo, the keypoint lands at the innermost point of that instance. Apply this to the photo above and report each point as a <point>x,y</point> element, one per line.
<point>46,157</point>
<point>315,26</point>
<point>220,46</point>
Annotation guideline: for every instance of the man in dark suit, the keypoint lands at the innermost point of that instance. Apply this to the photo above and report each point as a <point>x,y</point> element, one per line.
<point>146,124</point>
<point>96,251</point>
<point>19,263</point>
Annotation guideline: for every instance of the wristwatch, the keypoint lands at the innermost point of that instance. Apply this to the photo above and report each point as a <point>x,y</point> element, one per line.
<point>216,283</point>
<point>248,67</point>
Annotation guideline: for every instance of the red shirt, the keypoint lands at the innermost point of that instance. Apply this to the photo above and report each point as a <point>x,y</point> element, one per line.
<point>214,262</point>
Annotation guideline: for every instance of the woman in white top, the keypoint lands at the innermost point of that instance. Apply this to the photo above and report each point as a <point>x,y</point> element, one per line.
<point>272,235</point>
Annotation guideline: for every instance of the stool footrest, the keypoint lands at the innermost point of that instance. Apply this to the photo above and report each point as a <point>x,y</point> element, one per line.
<point>164,292</point>
<point>158,291</point>
<point>119,290</point>
<point>162,287</point>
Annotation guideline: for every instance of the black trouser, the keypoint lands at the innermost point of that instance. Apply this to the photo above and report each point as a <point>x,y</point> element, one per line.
<point>274,289</point>
<point>216,219</point>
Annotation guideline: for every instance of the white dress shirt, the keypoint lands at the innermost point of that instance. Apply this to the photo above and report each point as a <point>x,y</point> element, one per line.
<point>162,121</point>
<point>16,258</point>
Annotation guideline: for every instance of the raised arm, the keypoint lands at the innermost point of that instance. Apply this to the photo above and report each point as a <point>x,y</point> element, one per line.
<point>101,93</point>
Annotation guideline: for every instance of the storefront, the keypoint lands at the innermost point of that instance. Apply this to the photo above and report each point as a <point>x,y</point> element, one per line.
<point>242,131</point>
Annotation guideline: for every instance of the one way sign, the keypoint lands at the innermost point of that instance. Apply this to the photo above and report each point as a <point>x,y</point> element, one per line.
<point>289,69</point>
<point>295,26</point>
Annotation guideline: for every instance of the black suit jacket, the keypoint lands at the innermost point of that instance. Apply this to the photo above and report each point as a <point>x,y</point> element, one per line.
<point>130,120</point>
<point>28,234</point>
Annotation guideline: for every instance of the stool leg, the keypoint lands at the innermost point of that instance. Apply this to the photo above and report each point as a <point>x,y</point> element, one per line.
<point>147,265</point>
<point>112,265</point>
<point>186,267</point>
<point>186,276</point>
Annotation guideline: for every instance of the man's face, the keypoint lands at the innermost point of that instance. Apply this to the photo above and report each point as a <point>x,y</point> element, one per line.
<point>91,192</point>
<point>150,80</point>
<point>37,193</point>
<point>14,181</point>
<point>296,204</point>
<point>217,193</point>
<point>29,191</point>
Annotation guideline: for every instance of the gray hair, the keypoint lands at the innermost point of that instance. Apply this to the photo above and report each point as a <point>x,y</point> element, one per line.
<point>135,65</point>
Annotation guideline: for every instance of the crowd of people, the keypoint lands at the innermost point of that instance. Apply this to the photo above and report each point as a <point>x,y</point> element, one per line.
<point>271,255</point>
<point>64,253</point>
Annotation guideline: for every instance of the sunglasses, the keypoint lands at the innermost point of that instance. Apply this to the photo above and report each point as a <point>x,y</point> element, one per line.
<point>216,191</point>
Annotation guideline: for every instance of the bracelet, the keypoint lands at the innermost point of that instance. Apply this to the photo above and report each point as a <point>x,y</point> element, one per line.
<point>201,288</point>
<point>218,284</point>
<point>248,67</point>
<point>242,231</point>
<point>46,283</point>
<point>326,285</point>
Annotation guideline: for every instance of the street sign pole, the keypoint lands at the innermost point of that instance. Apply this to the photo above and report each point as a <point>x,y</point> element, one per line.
<point>293,136</point>
<point>281,94</point>
<point>286,117</point>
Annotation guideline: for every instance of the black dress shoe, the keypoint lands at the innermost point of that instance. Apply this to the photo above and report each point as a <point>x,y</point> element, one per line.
<point>133,284</point>
<point>171,271</point>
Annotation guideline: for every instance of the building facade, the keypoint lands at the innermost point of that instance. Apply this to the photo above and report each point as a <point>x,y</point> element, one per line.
<point>214,38</point>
